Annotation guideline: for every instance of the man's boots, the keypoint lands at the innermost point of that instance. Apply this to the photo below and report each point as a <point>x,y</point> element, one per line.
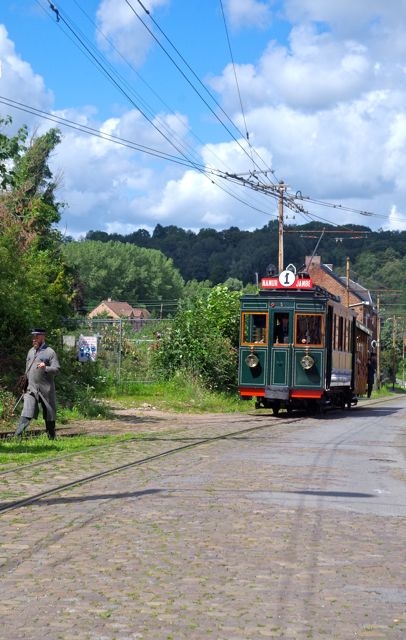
<point>22,425</point>
<point>50,426</point>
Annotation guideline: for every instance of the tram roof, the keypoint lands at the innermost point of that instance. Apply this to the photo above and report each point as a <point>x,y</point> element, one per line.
<point>314,291</point>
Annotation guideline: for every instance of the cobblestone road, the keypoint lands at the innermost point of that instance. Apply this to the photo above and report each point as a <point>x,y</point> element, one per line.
<point>295,533</point>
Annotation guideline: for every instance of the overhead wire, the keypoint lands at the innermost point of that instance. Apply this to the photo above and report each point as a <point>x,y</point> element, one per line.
<point>102,66</point>
<point>112,75</point>
<point>95,132</point>
<point>94,57</point>
<point>196,77</point>
<point>236,78</point>
<point>158,97</point>
<point>289,200</point>
<point>234,70</point>
<point>210,173</point>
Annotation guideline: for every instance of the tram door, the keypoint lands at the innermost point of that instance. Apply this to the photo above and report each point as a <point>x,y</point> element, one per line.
<point>281,352</point>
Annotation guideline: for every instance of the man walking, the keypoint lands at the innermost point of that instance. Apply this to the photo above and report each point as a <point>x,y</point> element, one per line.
<point>371,368</point>
<point>41,368</point>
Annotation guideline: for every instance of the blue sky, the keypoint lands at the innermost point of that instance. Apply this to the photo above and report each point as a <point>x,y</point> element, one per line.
<point>319,87</point>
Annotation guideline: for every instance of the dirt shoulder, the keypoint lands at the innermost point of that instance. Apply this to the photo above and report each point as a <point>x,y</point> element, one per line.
<point>144,418</point>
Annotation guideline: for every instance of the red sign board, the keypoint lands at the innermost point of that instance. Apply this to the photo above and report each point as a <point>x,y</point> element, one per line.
<point>287,282</point>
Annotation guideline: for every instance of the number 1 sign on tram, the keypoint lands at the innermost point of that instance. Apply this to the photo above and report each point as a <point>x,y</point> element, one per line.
<point>287,280</point>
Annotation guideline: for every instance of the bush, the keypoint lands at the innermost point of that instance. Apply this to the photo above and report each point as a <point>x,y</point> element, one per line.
<point>7,404</point>
<point>77,379</point>
<point>202,341</point>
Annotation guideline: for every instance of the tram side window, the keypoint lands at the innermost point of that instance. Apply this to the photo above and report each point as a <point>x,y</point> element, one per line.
<point>340,345</point>
<point>309,329</point>
<point>254,328</point>
<point>335,332</point>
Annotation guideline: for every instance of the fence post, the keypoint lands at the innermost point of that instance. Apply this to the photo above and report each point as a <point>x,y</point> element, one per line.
<point>119,350</point>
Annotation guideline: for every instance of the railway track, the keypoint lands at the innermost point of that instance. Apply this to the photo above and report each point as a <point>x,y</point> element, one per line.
<point>150,450</point>
<point>105,460</point>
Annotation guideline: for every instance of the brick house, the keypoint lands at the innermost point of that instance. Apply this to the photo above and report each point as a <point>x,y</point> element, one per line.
<point>352,294</point>
<point>117,310</point>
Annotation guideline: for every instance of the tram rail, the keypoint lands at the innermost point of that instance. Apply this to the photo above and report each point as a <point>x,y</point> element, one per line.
<point>190,439</point>
<point>193,442</point>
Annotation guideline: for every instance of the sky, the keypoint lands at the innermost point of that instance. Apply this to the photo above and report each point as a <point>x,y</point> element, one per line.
<point>191,113</point>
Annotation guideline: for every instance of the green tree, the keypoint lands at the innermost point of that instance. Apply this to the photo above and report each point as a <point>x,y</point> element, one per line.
<point>123,272</point>
<point>10,149</point>
<point>202,340</point>
<point>36,286</point>
<point>391,340</point>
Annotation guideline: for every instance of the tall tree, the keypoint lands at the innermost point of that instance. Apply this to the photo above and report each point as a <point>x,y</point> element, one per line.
<point>37,286</point>
<point>123,271</point>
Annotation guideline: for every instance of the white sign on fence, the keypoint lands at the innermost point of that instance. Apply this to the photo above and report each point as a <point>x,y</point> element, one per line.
<point>87,348</point>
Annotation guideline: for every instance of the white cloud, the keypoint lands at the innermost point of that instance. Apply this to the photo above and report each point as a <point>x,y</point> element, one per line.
<point>19,81</point>
<point>396,221</point>
<point>120,29</point>
<point>394,166</point>
<point>345,15</point>
<point>324,107</point>
<point>315,72</point>
<point>249,13</point>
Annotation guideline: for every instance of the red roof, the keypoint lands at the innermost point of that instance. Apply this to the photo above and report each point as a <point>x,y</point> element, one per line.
<point>119,309</point>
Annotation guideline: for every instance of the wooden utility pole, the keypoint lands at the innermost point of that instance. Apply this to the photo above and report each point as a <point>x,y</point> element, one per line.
<point>378,344</point>
<point>394,352</point>
<point>348,282</point>
<point>282,189</point>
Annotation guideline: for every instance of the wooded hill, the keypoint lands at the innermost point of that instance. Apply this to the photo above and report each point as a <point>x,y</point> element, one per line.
<point>377,258</point>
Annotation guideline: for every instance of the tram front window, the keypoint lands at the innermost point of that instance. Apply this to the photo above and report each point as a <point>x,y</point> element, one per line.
<point>309,329</point>
<point>254,328</point>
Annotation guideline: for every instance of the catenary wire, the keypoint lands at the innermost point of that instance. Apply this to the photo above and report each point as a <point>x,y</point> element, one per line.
<point>191,83</point>
<point>87,48</point>
<point>288,199</point>
<point>211,174</point>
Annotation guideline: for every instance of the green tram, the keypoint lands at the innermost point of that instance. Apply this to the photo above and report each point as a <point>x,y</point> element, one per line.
<point>300,347</point>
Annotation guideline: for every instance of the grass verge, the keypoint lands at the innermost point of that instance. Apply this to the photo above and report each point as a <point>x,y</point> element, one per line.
<point>179,395</point>
<point>32,449</point>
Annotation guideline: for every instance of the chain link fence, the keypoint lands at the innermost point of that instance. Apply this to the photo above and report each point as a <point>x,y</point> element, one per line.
<point>123,346</point>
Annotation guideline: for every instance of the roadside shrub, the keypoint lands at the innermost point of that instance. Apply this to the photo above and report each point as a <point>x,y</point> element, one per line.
<point>7,403</point>
<point>202,341</point>
<point>76,379</point>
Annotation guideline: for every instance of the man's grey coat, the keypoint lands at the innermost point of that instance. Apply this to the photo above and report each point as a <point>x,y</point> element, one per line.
<point>41,384</point>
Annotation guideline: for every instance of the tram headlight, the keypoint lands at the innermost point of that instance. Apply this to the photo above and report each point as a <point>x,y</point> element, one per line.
<point>252,360</point>
<point>307,362</point>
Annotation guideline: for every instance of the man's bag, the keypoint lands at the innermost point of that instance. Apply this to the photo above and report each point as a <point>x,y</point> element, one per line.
<point>22,384</point>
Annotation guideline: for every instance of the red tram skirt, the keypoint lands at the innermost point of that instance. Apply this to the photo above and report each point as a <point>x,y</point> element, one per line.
<point>313,394</point>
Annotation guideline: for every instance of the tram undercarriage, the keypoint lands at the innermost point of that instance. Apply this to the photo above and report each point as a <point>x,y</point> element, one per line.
<point>342,398</point>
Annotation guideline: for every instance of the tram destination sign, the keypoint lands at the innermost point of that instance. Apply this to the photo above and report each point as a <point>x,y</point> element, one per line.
<point>287,280</point>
